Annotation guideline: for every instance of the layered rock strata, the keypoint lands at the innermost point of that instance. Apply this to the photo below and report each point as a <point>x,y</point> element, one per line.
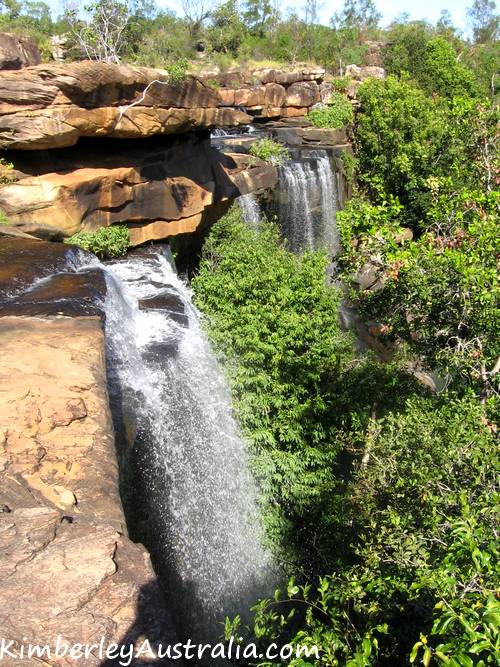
<point>270,93</point>
<point>52,106</point>
<point>158,188</point>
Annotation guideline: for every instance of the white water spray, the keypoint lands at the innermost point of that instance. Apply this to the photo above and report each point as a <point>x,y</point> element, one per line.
<point>307,203</point>
<point>193,463</point>
<point>250,209</point>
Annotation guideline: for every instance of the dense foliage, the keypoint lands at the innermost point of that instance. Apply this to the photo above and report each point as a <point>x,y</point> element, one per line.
<point>381,499</point>
<point>379,494</point>
<point>227,33</point>
<point>336,114</point>
<point>265,308</point>
<point>105,242</point>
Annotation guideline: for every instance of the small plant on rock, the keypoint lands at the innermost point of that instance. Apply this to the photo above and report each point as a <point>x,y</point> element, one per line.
<point>177,71</point>
<point>105,242</point>
<point>338,113</point>
<point>6,172</point>
<point>270,151</point>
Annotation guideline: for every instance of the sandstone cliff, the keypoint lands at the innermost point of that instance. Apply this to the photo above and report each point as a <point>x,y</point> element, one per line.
<point>159,186</point>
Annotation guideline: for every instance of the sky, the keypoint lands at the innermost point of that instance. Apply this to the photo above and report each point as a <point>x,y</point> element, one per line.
<point>420,9</point>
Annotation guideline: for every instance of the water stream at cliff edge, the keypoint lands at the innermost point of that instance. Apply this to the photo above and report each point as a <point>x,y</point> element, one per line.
<point>191,462</point>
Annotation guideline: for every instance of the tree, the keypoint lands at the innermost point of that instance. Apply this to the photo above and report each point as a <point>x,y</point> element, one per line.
<point>257,15</point>
<point>226,30</point>
<point>483,20</point>
<point>102,37</point>
<point>359,14</point>
<point>196,12</point>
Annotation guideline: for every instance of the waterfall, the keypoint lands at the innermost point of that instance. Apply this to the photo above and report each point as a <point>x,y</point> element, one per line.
<point>219,132</point>
<point>191,464</point>
<point>307,202</point>
<point>250,209</point>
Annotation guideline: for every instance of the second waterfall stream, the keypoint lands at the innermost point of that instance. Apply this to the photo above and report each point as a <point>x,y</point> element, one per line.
<point>193,493</point>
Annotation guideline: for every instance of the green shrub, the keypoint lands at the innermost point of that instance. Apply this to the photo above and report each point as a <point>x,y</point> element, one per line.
<point>438,293</point>
<point>422,506</point>
<point>4,220</point>
<point>270,151</point>
<point>274,324</point>
<point>105,242</point>
<point>341,83</point>
<point>177,72</point>
<point>336,114</point>
<point>403,138</point>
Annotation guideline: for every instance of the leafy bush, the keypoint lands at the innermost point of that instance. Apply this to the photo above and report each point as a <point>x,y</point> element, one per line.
<point>274,324</point>
<point>177,72</point>
<point>338,113</point>
<point>422,507</point>
<point>270,151</point>
<point>341,83</point>
<point>4,220</point>
<point>439,293</point>
<point>105,242</point>
<point>404,138</point>
<point>431,61</point>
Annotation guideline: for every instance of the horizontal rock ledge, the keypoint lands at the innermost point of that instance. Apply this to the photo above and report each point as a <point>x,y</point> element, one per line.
<point>52,106</point>
<point>173,183</point>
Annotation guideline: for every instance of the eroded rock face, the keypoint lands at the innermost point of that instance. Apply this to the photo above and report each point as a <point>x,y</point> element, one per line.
<point>159,189</point>
<point>270,93</point>
<point>52,106</point>
<point>67,566</point>
<point>17,52</point>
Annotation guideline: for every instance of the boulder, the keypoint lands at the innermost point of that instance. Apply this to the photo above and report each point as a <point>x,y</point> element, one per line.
<point>297,136</point>
<point>68,568</point>
<point>52,106</point>
<point>17,52</point>
<point>250,97</point>
<point>365,72</point>
<point>294,112</point>
<point>274,95</point>
<point>302,94</point>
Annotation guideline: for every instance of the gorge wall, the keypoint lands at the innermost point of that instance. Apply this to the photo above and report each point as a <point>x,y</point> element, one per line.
<point>93,144</point>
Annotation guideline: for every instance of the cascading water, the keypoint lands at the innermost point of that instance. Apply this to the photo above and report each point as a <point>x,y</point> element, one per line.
<point>190,462</point>
<point>307,202</point>
<point>250,209</point>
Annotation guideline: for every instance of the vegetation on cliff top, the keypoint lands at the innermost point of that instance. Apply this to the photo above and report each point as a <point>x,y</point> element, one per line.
<point>336,114</point>
<point>230,34</point>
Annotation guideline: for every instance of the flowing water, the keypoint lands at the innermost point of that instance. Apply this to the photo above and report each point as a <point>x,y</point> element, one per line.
<point>250,209</point>
<point>190,462</point>
<point>307,202</point>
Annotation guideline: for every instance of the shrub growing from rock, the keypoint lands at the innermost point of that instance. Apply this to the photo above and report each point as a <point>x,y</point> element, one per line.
<point>338,113</point>
<point>105,242</point>
<point>270,151</point>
